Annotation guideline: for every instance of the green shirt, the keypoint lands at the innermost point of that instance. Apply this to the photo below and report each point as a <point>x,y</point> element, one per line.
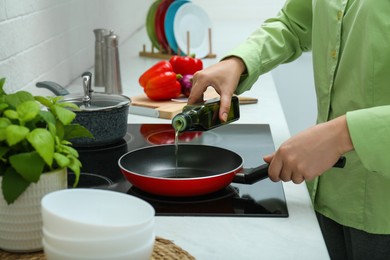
<point>350,42</point>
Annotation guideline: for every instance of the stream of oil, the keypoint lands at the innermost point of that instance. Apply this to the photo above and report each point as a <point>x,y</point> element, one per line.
<point>176,151</point>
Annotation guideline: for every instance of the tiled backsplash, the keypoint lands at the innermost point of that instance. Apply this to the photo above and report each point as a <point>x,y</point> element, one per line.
<point>54,40</point>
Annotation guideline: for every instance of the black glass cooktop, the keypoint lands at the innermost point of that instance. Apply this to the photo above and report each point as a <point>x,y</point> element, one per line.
<point>251,141</point>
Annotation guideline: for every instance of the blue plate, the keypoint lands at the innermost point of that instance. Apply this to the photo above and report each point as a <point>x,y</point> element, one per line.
<point>168,24</point>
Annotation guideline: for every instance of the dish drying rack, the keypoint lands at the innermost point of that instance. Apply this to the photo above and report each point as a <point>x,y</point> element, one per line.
<point>160,54</point>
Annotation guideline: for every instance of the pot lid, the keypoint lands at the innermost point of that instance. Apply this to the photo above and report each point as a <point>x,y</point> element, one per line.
<point>98,101</point>
<point>89,100</point>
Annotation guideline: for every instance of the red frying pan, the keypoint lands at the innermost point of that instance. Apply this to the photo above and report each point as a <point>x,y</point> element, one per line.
<point>200,169</point>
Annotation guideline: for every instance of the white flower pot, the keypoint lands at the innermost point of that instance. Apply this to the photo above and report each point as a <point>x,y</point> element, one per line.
<point>21,222</point>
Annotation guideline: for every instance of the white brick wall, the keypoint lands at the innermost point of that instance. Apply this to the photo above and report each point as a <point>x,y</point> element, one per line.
<point>54,40</point>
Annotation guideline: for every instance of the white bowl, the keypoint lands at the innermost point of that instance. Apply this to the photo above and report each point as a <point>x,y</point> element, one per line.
<point>101,246</point>
<point>142,253</point>
<point>92,213</point>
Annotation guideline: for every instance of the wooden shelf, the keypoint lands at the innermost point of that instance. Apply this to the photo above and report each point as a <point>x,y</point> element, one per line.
<point>160,54</point>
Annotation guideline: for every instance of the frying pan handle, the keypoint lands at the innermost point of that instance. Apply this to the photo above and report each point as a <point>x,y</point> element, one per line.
<point>253,175</point>
<point>340,162</point>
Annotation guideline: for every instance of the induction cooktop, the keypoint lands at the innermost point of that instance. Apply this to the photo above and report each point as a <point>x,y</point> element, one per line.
<point>251,141</point>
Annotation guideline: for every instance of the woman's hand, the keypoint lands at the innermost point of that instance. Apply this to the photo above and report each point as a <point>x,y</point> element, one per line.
<point>311,152</point>
<point>223,77</point>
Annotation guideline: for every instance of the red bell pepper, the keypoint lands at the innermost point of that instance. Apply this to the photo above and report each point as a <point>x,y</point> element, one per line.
<point>163,86</point>
<point>186,64</point>
<point>159,67</point>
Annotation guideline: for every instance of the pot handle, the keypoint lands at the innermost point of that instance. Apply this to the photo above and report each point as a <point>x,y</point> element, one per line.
<point>53,87</point>
<point>253,175</point>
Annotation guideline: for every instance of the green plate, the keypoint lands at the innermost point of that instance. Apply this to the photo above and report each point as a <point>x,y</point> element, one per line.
<point>150,24</point>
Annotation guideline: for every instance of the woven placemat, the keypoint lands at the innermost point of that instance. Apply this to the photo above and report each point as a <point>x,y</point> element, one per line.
<point>164,249</point>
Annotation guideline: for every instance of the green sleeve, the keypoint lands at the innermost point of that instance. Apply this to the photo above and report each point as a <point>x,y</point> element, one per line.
<point>279,40</point>
<point>370,133</point>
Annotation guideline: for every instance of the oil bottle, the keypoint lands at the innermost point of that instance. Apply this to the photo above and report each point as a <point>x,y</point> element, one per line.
<point>204,116</point>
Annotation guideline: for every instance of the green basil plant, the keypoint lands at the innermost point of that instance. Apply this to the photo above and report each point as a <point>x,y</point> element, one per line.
<point>34,139</point>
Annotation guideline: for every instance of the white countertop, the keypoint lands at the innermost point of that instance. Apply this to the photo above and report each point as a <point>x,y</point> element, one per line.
<point>295,237</point>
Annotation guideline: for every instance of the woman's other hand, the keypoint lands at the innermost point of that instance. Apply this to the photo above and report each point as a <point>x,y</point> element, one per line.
<point>311,152</point>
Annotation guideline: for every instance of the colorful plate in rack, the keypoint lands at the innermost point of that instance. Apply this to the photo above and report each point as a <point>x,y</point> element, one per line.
<point>193,19</point>
<point>168,24</point>
<point>159,23</point>
<point>150,24</point>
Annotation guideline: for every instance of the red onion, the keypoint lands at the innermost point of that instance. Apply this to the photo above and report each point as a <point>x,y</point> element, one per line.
<point>186,84</point>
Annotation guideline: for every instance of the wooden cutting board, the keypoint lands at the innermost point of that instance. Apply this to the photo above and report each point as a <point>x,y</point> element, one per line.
<point>142,105</point>
<point>162,109</point>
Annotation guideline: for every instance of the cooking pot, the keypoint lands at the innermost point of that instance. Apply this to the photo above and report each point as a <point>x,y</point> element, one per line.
<point>194,170</point>
<point>104,115</point>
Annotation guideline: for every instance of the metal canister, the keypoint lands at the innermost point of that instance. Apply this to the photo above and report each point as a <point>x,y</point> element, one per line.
<point>112,74</point>
<point>99,56</point>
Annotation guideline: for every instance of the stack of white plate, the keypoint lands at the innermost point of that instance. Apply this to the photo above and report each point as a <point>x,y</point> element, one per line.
<point>170,22</point>
<point>96,224</point>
